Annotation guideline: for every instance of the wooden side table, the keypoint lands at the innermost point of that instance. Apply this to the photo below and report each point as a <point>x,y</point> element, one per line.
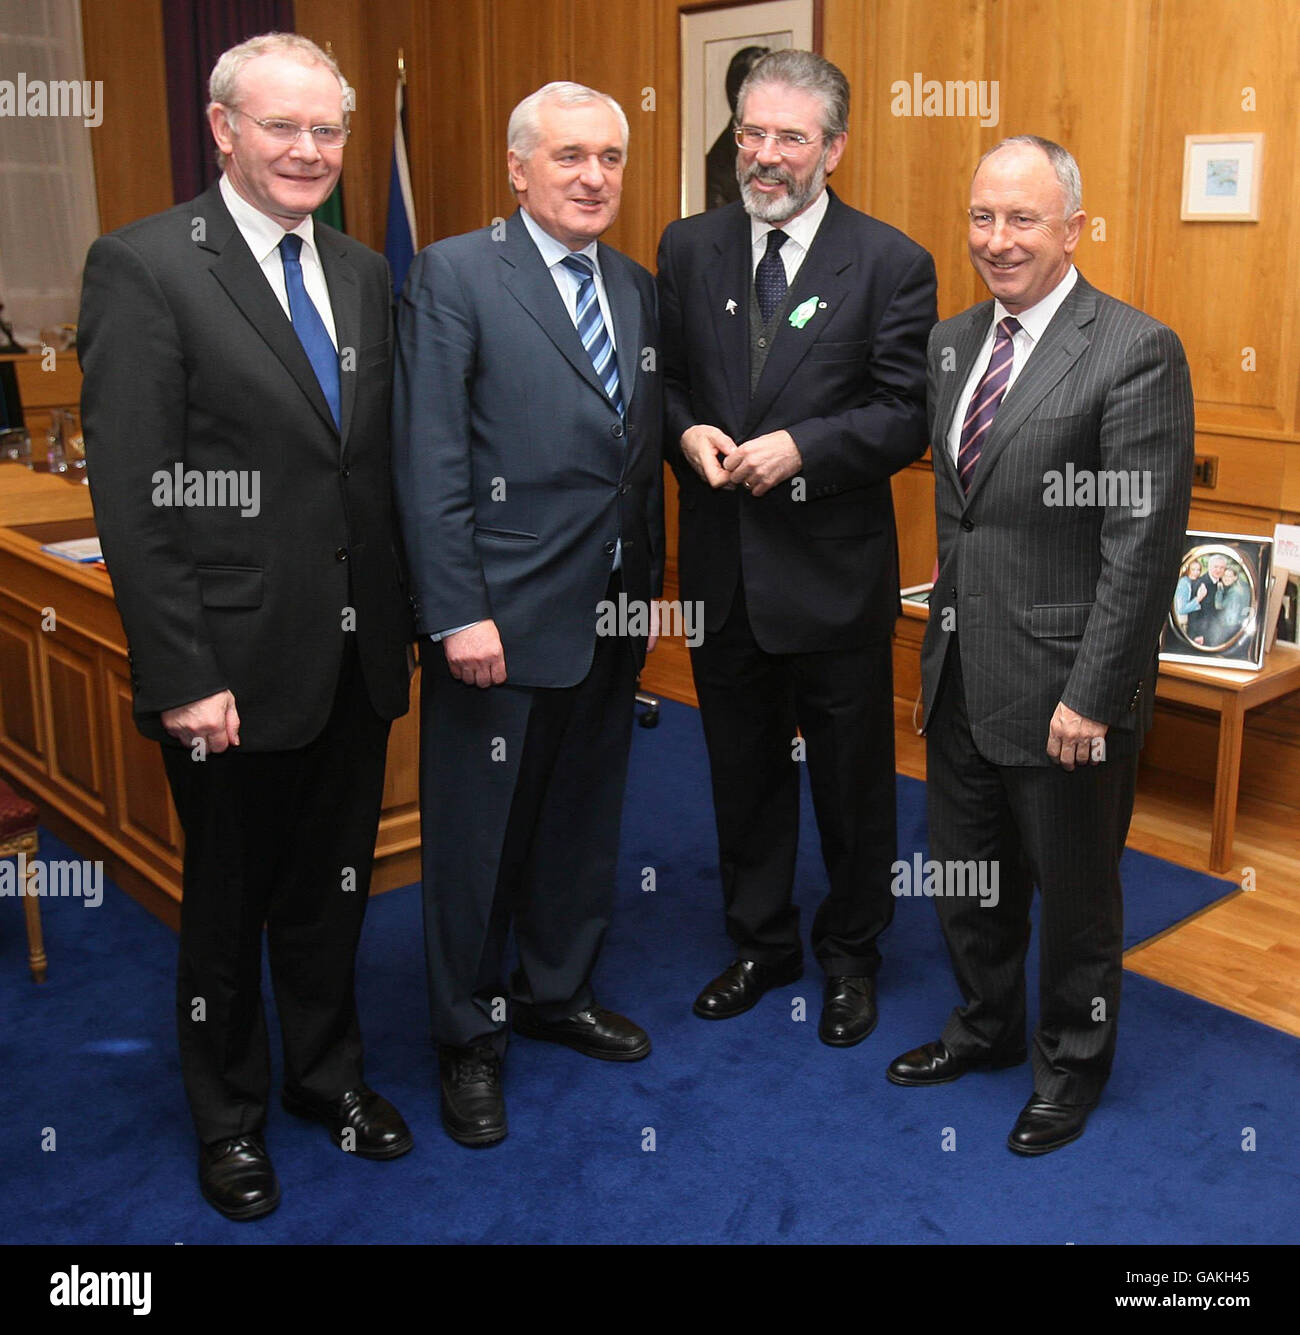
<point>18,821</point>
<point>1230,694</point>
<point>1226,692</point>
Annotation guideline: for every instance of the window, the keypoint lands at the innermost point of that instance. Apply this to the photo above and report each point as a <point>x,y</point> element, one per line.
<point>48,211</point>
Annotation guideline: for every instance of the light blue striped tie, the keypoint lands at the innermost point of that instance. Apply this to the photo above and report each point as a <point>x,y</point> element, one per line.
<point>592,331</point>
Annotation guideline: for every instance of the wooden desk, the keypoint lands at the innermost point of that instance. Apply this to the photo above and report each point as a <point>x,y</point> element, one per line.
<point>1223,691</point>
<point>1229,694</point>
<point>67,733</point>
<point>33,498</point>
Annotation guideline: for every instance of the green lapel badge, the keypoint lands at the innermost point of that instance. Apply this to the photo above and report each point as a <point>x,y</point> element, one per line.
<point>804,312</point>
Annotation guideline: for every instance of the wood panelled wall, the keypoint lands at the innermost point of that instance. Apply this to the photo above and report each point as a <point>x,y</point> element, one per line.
<point>123,44</point>
<point>1119,82</point>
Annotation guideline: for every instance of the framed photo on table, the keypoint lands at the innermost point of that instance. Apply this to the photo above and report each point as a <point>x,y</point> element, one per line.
<point>1221,174</point>
<point>719,44</point>
<point>1217,617</point>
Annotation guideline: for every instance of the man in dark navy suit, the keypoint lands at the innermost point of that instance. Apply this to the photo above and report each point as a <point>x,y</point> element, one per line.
<point>530,483</point>
<point>794,335</point>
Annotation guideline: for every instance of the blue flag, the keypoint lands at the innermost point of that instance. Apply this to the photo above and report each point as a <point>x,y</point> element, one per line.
<point>399,235</point>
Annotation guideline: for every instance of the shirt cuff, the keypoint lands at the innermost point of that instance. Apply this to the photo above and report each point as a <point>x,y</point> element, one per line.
<point>455,630</point>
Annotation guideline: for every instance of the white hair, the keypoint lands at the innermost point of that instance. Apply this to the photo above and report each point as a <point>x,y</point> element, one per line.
<point>524,130</point>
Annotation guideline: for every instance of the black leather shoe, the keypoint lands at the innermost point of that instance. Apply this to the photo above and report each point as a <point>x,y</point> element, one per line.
<point>848,1010</point>
<point>376,1128</point>
<point>236,1177</point>
<point>933,1064</point>
<point>1044,1126</point>
<point>473,1105</point>
<point>594,1032</point>
<point>738,987</point>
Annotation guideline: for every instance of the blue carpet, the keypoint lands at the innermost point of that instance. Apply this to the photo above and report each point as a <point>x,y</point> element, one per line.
<point>760,1133</point>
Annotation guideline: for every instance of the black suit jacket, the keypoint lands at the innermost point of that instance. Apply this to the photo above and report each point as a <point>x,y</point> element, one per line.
<point>821,571</point>
<point>1058,602</point>
<point>189,359</point>
<point>515,476</point>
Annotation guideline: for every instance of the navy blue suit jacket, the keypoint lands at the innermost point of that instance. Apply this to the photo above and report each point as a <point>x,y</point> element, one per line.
<point>514,475</point>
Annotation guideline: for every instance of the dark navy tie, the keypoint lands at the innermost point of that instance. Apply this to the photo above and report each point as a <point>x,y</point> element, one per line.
<point>592,331</point>
<point>769,278</point>
<point>984,402</point>
<point>309,326</point>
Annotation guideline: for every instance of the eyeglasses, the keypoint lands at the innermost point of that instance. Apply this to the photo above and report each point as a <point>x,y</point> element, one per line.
<point>788,142</point>
<point>288,132</point>
<point>984,221</point>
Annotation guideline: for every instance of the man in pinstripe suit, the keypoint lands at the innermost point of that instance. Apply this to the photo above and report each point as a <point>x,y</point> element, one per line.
<point>1039,660</point>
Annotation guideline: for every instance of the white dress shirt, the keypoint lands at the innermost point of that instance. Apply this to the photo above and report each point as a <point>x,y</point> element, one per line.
<point>264,235</point>
<point>566,281</point>
<point>1033,325</point>
<point>799,231</point>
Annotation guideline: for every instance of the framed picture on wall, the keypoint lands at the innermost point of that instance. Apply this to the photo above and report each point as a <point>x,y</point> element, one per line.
<point>1221,174</point>
<point>1217,617</point>
<point>719,44</point>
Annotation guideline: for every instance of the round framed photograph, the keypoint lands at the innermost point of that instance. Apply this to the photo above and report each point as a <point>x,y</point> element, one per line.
<point>1216,613</point>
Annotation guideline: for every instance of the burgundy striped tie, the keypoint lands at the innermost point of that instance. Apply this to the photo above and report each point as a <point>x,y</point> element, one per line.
<point>984,402</point>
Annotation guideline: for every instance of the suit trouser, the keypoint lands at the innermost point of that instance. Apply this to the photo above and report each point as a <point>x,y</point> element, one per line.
<point>521,804</point>
<point>1063,831</point>
<point>842,702</point>
<point>285,838</point>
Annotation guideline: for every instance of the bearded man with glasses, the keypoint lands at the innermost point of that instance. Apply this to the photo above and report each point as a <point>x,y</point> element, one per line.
<point>794,331</point>
<point>232,337</point>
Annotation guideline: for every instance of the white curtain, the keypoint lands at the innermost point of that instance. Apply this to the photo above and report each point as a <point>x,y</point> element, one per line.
<point>48,212</point>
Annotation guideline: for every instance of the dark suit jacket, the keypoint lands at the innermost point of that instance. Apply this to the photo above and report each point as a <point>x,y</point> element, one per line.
<point>1060,602</point>
<point>1198,620</point>
<point>189,358</point>
<point>821,572</point>
<point>514,475</point>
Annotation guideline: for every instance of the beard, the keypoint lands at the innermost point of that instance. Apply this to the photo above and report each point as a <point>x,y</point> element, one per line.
<point>776,209</point>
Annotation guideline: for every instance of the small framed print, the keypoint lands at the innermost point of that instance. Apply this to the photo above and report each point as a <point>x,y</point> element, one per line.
<point>1221,174</point>
<point>1217,615</point>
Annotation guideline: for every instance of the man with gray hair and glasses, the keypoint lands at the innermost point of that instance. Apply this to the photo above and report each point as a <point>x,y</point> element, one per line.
<point>530,484</point>
<point>1039,661</point>
<point>233,340</point>
<point>794,375</point>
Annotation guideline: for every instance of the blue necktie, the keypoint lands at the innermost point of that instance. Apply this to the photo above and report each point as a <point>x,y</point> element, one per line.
<point>309,327</point>
<point>769,278</point>
<point>592,331</point>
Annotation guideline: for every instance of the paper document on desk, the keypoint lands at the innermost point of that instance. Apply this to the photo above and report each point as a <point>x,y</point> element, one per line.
<point>83,550</point>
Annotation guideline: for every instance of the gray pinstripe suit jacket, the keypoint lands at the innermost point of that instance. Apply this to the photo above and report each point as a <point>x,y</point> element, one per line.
<point>1061,602</point>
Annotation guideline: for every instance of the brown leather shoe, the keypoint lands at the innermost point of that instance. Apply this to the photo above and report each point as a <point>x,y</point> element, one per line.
<point>359,1121</point>
<point>236,1177</point>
